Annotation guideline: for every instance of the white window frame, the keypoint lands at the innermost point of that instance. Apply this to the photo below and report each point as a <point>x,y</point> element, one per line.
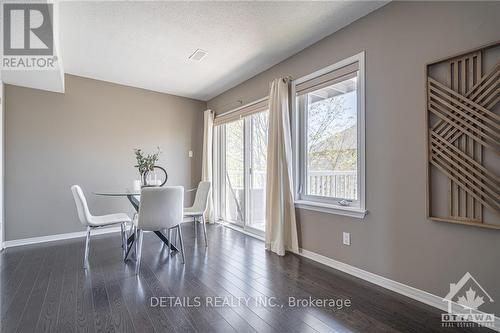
<point>319,203</point>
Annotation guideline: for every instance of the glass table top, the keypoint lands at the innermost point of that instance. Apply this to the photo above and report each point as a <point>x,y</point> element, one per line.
<point>125,193</point>
<point>117,193</point>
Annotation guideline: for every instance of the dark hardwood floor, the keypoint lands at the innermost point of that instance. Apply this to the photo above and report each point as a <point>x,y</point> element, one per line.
<point>44,288</point>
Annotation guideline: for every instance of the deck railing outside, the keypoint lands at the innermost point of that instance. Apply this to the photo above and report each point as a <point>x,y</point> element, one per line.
<point>329,183</point>
<point>336,184</point>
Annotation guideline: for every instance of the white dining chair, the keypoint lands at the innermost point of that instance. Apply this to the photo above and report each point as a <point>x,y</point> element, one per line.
<point>160,209</point>
<point>94,222</point>
<point>199,207</point>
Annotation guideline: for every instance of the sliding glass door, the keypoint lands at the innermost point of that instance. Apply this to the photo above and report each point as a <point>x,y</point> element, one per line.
<point>257,170</point>
<point>242,172</point>
<point>234,181</point>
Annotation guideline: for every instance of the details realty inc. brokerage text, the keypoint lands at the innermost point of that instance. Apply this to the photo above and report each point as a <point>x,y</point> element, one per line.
<point>263,301</point>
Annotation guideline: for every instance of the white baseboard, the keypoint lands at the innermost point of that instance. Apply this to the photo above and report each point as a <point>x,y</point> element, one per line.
<point>51,238</point>
<point>413,293</point>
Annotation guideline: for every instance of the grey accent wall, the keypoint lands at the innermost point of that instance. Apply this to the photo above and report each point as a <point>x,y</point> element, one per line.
<point>86,136</point>
<point>396,240</point>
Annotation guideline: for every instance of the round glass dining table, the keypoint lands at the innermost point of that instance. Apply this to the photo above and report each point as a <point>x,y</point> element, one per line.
<point>134,201</point>
<point>132,196</point>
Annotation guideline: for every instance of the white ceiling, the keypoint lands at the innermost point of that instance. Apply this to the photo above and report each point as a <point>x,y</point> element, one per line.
<point>147,44</point>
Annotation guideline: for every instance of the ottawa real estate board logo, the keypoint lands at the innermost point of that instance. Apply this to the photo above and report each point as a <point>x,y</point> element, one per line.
<point>28,36</point>
<point>464,300</point>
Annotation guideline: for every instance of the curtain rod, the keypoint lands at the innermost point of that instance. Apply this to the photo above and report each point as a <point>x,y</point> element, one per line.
<point>239,101</point>
<point>243,106</point>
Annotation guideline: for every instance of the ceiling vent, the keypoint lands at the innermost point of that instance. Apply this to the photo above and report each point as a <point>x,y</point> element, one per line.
<point>198,55</point>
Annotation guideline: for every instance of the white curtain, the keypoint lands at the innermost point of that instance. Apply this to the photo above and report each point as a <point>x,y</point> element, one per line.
<point>281,227</point>
<point>207,161</point>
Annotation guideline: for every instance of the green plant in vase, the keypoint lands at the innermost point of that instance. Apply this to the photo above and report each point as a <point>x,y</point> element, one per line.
<point>146,163</point>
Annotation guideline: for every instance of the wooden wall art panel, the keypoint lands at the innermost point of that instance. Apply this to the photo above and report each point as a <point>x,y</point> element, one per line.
<point>463,121</point>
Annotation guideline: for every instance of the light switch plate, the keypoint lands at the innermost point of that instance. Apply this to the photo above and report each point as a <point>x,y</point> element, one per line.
<point>346,238</point>
<point>190,153</point>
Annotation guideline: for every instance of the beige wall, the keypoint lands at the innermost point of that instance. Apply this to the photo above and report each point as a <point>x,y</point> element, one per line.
<point>395,239</point>
<point>87,136</point>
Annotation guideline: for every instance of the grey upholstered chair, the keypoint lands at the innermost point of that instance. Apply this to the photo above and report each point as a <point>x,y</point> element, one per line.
<point>160,209</point>
<point>197,210</point>
<point>94,222</point>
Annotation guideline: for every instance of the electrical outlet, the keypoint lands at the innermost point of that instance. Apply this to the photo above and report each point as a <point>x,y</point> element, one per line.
<point>346,238</point>
<point>190,153</point>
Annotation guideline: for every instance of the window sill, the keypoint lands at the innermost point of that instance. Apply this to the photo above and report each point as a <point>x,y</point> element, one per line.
<point>331,209</point>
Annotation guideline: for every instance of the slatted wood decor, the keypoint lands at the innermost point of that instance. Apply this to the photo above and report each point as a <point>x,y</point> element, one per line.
<point>464,138</point>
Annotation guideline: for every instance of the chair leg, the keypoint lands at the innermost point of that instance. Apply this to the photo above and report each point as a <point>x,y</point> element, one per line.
<point>204,229</point>
<point>181,242</point>
<point>169,240</point>
<point>139,251</point>
<point>124,239</point>
<point>87,249</point>
<point>195,227</point>
<point>176,235</point>
<point>163,231</point>
<point>136,240</point>
<point>133,231</point>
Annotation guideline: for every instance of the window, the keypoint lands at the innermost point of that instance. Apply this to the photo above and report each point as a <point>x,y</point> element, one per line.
<point>329,138</point>
<point>241,160</point>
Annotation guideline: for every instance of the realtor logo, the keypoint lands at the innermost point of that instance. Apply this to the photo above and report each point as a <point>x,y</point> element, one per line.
<point>464,299</point>
<point>28,36</point>
<point>27,29</point>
